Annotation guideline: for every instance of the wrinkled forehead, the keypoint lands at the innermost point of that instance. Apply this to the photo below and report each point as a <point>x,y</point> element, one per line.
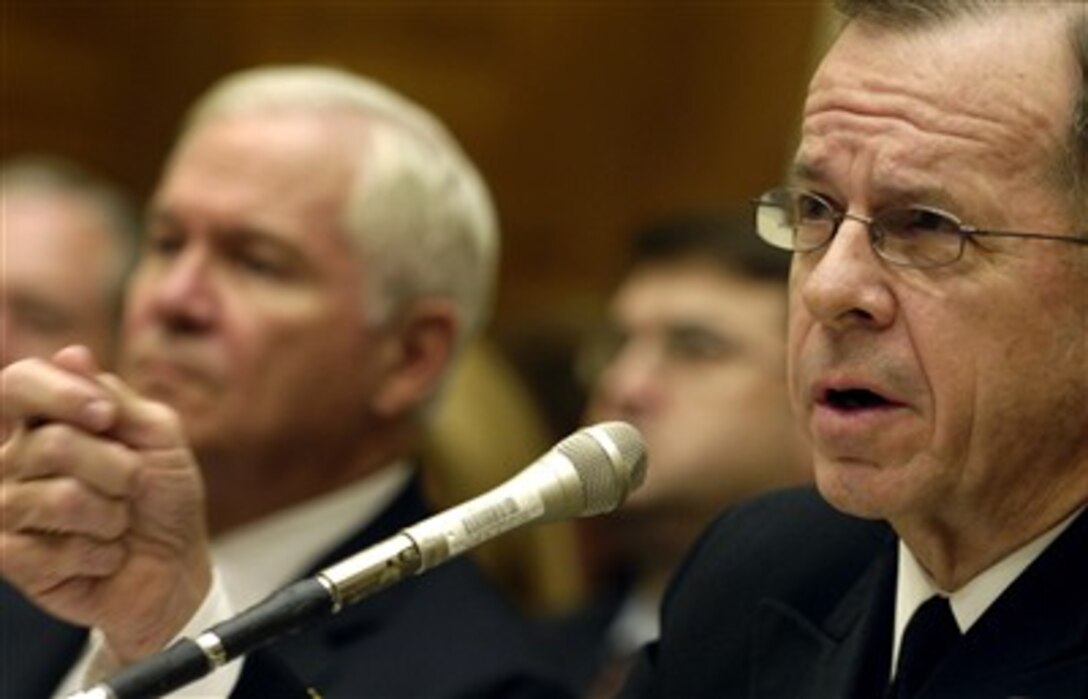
<point>1015,67</point>
<point>989,94</point>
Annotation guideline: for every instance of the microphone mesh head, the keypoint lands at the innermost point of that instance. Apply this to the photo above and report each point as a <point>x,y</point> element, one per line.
<point>610,460</point>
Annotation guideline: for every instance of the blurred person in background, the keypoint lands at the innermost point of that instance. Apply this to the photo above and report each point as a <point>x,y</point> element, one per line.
<point>693,356</point>
<point>68,238</point>
<point>317,252</point>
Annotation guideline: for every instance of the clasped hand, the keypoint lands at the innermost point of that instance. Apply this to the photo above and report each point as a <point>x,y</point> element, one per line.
<point>101,503</point>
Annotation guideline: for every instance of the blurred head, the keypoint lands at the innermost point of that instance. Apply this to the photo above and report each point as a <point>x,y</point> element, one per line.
<point>955,394</point>
<point>318,247</point>
<point>694,356</point>
<point>68,238</point>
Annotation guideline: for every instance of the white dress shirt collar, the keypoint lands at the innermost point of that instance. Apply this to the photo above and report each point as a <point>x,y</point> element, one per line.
<point>914,585</point>
<point>260,557</point>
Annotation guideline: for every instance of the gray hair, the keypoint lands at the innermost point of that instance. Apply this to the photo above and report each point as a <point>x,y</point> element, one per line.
<point>1072,165</point>
<point>422,218</point>
<point>53,175</point>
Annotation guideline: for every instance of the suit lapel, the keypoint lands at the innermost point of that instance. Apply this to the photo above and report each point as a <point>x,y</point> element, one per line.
<point>312,652</point>
<point>1032,642</point>
<point>845,653</point>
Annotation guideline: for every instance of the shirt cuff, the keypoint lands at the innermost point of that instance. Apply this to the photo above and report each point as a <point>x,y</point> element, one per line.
<point>216,607</point>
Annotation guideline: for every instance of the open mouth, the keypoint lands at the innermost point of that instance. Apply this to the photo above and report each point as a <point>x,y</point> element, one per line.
<point>855,399</point>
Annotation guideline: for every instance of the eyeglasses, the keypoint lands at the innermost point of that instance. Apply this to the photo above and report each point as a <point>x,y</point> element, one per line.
<point>799,221</point>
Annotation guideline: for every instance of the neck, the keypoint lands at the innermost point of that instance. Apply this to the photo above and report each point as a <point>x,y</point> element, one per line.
<point>243,487</point>
<point>954,553</point>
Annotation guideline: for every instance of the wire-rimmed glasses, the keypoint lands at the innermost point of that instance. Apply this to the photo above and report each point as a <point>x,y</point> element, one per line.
<point>801,221</point>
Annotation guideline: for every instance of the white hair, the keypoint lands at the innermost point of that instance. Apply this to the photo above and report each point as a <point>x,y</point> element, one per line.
<point>421,218</point>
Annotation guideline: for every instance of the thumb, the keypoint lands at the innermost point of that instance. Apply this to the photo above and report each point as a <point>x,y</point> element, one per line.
<point>78,360</point>
<point>142,423</point>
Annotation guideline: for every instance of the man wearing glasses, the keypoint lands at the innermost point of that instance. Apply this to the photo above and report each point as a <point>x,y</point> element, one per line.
<point>938,352</point>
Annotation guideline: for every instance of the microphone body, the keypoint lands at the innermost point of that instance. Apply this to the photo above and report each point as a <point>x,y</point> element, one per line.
<point>590,472</point>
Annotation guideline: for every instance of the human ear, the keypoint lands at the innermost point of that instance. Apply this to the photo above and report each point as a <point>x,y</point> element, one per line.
<point>423,339</point>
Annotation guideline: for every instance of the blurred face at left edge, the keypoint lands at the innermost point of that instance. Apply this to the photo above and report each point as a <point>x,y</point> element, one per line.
<point>246,310</point>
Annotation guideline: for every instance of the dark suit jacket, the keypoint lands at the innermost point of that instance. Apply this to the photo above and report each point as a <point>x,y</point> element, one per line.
<point>444,634</point>
<point>579,639</point>
<point>785,598</point>
<point>36,650</point>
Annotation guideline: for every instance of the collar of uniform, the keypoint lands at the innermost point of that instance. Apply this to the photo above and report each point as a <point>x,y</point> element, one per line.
<point>914,585</point>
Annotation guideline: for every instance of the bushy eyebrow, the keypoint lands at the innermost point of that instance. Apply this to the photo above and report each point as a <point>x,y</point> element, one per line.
<point>803,170</point>
<point>887,195</point>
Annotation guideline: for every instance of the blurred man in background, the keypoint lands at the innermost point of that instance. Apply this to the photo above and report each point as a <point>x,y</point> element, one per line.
<point>694,356</point>
<point>68,239</point>
<point>317,252</point>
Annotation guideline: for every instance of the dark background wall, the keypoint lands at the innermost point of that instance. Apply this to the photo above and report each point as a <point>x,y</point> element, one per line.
<point>587,118</point>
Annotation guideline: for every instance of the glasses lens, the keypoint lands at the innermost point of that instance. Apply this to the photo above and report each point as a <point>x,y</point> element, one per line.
<point>792,219</point>
<point>917,237</point>
<point>773,222</point>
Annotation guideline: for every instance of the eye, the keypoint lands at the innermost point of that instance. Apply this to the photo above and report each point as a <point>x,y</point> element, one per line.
<point>695,344</point>
<point>258,264</point>
<point>918,237</point>
<point>164,244</point>
<point>918,222</point>
<point>809,208</point>
<point>163,237</point>
<point>258,256</point>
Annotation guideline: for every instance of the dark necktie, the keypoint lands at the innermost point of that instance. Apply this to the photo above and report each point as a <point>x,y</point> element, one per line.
<point>929,636</point>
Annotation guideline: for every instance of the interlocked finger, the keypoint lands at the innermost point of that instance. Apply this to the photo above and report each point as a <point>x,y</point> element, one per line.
<point>59,450</point>
<point>62,506</point>
<point>37,563</point>
<point>35,391</point>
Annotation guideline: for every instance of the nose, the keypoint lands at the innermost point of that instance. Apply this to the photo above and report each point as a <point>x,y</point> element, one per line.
<point>630,383</point>
<point>844,285</point>
<point>183,291</point>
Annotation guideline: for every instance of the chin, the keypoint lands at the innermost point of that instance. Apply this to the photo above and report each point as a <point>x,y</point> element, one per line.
<point>857,488</point>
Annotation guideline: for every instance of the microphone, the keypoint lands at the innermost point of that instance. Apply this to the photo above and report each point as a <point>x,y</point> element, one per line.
<point>590,472</point>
